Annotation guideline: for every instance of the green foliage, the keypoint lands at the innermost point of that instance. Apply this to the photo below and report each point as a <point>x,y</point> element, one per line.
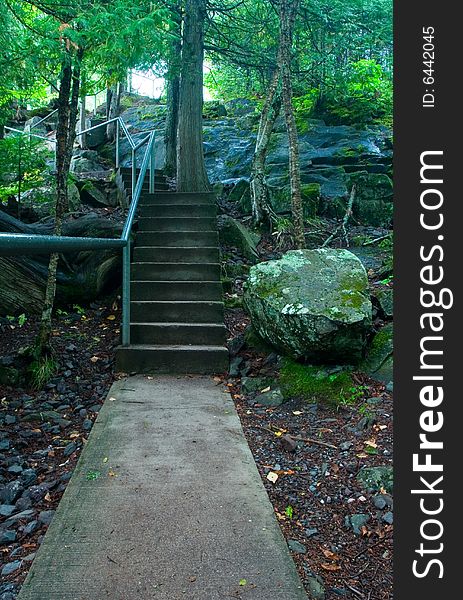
<point>315,384</point>
<point>41,370</point>
<point>304,108</point>
<point>352,395</point>
<point>22,165</point>
<point>363,94</point>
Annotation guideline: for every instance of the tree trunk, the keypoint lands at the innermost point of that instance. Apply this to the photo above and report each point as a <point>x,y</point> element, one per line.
<point>261,209</point>
<point>83,123</point>
<point>173,90</point>
<point>113,111</point>
<point>191,170</point>
<point>68,101</point>
<point>288,11</point>
<point>173,94</point>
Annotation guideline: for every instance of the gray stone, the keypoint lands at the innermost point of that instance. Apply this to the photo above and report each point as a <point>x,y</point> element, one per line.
<point>271,398</point>
<point>388,518</point>
<point>357,521</point>
<point>251,385</point>
<point>7,536</point>
<point>316,587</point>
<point>11,492</point>
<point>31,527</point>
<point>311,532</point>
<point>28,477</point>
<point>311,304</point>
<point>11,567</point>
<point>235,234</point>
<point>296,547</point>
<point>375,478</point>
<point>6,510</point>
<point>46,516</point>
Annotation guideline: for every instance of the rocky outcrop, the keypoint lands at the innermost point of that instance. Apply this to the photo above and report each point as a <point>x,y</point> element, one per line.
<point>311,304</point>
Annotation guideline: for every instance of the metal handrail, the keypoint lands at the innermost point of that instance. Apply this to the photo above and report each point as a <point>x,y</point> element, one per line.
<point>24,244</point>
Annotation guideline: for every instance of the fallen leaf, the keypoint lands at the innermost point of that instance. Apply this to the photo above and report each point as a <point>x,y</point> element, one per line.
<point>371,443</point>
<point>111,317</point>
<point>330,567</point>
<point>105,459</point>
<point>272,476</point>
<point>94,359</point>
<point>48,497</point>
<point>297,412</point>
<point>267,389</point>
<point>329,554</point>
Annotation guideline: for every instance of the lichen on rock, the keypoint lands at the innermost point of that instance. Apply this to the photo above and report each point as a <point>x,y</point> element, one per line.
<point>311,304</point>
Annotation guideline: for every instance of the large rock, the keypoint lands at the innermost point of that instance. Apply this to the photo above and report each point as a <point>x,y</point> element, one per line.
<point>41,201</point>
<point>378,363</point>
<point>311,304</point>
<point>235,234</point>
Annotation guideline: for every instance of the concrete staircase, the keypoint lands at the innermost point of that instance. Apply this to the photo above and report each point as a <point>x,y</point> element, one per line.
<point>176,323</point>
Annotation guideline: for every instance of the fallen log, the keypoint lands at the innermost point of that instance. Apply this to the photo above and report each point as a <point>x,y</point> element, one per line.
<point>82,276</point>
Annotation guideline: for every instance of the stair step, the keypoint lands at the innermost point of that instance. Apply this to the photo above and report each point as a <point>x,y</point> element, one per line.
<point>173,290</point>
<point>153,271</point>
<point>157,177</point>
<point>177,224</point>
<point>172,255</point>
<point>204,360</point>
<point>125,170</point>
<point>179,198</point>
<point>158,187</point>
<point>209,334</point>
<point>178,210</point>
<point>199,239</point>
<point>176,311</point>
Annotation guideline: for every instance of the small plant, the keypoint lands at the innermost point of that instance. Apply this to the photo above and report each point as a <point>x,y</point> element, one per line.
<point>283,233</point>
<point>22,319</point>
<point>79,310</point>
<point>352,395</point>
<point>289,512</point>
<point>41,370</point>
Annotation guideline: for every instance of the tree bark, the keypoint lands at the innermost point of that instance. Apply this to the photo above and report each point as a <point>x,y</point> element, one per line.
<point>191,169</point>
<point>173,94</point>
<point>83,123</point>
<point>288,10</point>
<point>114,110</point>
<point>260,203</point>
<point>68,101</point>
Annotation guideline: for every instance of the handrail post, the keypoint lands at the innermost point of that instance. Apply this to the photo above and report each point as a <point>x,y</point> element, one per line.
<point>117,143</point>
<point>134,173</point>
<point>126,294</point>
<point>152,165</point>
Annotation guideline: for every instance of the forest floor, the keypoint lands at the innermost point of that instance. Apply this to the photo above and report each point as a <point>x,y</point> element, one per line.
<point>43,431</point>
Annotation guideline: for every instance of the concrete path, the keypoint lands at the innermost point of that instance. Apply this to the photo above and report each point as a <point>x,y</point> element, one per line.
<point>165,504</point>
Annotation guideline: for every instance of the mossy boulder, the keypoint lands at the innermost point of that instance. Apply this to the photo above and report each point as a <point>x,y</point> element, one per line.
<point>311,304</point>
<point>379,359</point>
<point>235,234</point>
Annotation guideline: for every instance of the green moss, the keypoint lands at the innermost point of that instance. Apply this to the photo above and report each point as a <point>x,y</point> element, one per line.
<point>311,193</point>
<point>314,384</point>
